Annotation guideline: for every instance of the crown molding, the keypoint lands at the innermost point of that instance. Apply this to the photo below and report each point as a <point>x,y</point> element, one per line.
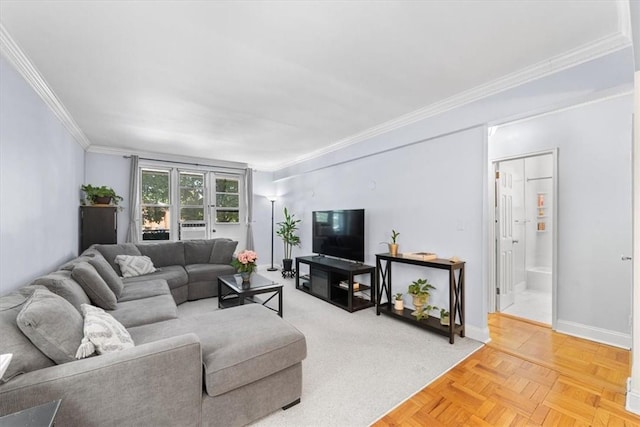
<point>28,71</point>
<point>572,58</point>
<point>151,155</point>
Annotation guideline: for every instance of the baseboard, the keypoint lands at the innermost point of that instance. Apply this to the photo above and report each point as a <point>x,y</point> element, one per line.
<point>477,334</point>
<point>633,399</point>
<point>604,336</point>
<point>522,286</point>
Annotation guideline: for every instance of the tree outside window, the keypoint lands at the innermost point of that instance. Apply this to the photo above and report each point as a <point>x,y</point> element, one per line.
<point>227,200</point>
<point>155,204</point>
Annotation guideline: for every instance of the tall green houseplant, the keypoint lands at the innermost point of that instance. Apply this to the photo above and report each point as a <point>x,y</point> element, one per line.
<point>287,233</point>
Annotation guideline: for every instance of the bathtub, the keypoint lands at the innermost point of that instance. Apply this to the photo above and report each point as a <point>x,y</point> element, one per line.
<point>539,279</point>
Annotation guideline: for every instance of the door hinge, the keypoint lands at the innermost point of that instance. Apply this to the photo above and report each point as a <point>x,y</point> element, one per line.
<point>497,291</point>
<point>497,175</point>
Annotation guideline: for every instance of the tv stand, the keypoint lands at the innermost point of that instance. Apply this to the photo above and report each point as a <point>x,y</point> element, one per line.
<point>332,280</point>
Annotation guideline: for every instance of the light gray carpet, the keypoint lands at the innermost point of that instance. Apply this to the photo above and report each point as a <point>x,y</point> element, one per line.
<point>359,365</point>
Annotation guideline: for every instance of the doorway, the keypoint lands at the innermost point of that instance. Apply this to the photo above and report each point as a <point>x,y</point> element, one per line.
<point>524,197</point>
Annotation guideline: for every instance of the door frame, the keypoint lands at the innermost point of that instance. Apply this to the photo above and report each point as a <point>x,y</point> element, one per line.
<point>493,235</point>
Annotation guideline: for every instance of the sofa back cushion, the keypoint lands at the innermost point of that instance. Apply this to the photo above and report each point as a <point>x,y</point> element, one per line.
<point>52,324</point>
<point>26,356</point>
<point>222,252</point>
<point>61,283</point>
<point>109,252</point>
<point>197,251</point>
<point>108,274</point>
<point>163,254</point>
<point>95,287</point>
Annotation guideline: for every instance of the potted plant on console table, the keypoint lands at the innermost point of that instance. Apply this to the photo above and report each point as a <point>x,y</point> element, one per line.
<point>287,233</point>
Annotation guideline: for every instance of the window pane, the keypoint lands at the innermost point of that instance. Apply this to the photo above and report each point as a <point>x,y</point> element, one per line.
<point>155,187</point>
<point>156,223</point>
<point>191,179</point>
<point>192,196</point>
<point>227,216</point>
<point>227,200</point>
<point>192,214</point>
<point>226,185</point>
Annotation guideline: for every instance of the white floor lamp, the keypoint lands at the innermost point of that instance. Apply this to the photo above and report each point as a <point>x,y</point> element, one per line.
<point>272,199</point>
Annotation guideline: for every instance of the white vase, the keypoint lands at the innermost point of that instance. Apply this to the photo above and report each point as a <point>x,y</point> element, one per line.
<point>398,304</point>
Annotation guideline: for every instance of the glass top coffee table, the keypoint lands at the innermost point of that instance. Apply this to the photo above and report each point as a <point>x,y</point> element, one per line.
<point>232,291</point>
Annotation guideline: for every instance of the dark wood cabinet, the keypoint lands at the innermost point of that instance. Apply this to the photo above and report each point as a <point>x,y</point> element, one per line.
<point>98,224</point>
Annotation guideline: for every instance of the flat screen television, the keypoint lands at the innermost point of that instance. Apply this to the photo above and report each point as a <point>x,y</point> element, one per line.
<point>339,233</point>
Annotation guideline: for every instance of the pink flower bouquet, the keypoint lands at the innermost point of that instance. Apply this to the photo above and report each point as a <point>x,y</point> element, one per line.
<point>245,262</point>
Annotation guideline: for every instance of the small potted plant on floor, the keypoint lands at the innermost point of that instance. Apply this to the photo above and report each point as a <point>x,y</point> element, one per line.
<point>102,195</point>
<point>398,302</point>
<point>420,290</point>
<point>287,233</point>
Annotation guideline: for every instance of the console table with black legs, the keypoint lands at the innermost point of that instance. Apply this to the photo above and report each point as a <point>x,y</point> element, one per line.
<point>456,294</point>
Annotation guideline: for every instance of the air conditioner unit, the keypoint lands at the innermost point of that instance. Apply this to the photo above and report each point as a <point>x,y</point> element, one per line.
<point>193,230</point>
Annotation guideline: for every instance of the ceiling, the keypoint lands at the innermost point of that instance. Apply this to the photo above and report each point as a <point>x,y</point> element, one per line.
<point>270,83</point>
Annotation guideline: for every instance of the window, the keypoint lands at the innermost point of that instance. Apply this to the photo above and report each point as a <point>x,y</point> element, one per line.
<point>186,204</point>
<point>192,196</point>
<point>227,201</point>
<point>155,204</point>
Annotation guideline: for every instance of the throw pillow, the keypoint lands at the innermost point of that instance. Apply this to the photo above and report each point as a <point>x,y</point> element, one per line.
<point>132,266</point>
<point>96,288</point>
<point>52,324</point>
<point>103,331</point>
<point>26,356</point>
<point>222,252</point>
<point>109,275</point>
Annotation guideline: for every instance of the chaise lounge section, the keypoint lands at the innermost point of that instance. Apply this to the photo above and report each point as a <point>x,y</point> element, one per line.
<point>215,367</point>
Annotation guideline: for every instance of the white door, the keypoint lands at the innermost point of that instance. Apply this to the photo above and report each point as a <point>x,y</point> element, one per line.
<point>504,232</point>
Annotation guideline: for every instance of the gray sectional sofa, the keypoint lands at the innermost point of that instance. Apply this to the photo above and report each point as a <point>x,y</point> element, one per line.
<point>214,367</point>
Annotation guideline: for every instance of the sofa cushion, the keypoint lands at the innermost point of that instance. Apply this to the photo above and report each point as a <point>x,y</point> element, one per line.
<point>61,283</point>
<point>133,266</point>
<point>248,342</point>
<point>109,252</point>
<point>197,251</point>
<point>146,310</point>
<point>108,274</point>
<point>103,331</point>
<point>146,289</point>
<point>175,275</point>
<point>26,356</point>
<point>68,266</point>
<point>222,252</point>
<point>164,254</point>
<point>52,324</point>
<point>208,272</point>
<point>96,288</point>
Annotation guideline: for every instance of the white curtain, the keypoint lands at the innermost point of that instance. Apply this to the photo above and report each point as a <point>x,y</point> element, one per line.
<point>248,185</point>
<point>133,234</point>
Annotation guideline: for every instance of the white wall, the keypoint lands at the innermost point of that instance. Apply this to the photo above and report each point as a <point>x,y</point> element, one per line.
<point>112,171</point>
<point>594,211</point>
<point>41,171</point>
<point>431,192</point>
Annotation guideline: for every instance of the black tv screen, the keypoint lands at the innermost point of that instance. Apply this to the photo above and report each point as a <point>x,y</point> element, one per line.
<point>339,233</point>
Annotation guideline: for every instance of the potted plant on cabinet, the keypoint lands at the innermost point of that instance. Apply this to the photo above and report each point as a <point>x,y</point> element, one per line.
<point>287,233</point>
<point>420,290</point>
<point>102,195</point>
<point>398,302</point>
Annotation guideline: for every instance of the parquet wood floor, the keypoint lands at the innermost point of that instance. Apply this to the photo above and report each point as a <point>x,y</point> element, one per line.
<point>527,376</point>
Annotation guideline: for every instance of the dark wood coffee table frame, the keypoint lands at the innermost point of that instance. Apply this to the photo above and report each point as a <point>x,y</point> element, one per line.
<point>232,292</point>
